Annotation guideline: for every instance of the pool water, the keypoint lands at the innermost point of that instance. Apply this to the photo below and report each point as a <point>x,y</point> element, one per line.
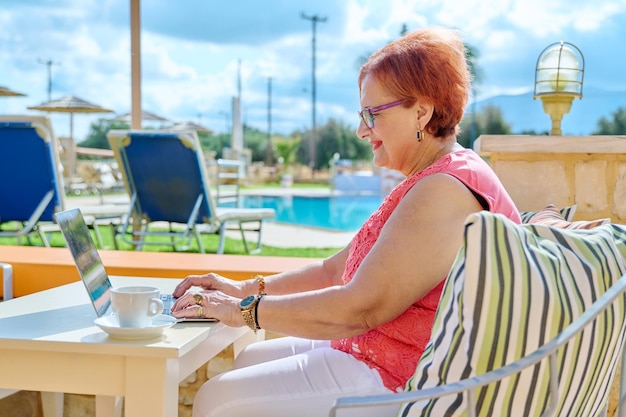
<point>344,213</point>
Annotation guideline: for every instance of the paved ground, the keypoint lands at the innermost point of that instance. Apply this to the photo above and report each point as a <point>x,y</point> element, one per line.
<point>287,236</point>
<point>274,234</point>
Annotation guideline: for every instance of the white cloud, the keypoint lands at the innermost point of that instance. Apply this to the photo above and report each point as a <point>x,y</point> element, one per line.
<point>473,17</point>
<point>541,18</point>
<point>191,72</point>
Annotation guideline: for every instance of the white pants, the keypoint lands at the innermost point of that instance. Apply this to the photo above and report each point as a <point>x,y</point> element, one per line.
<point>290,377</point>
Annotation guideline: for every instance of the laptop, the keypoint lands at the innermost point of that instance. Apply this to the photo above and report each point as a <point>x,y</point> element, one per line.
<point>90,266</point>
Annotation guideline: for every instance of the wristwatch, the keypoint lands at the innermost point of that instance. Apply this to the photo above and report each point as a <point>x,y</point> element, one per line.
<point>248,308</point>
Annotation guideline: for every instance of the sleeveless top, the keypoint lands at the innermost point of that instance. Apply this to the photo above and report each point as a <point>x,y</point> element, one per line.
<point>394,348</point>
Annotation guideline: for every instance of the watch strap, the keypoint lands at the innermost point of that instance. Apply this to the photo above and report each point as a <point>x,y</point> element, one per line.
<point>256,312</point>
<point>249,314</point>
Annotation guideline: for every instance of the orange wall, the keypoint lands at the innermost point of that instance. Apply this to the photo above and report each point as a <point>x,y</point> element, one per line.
<point>38,268</point>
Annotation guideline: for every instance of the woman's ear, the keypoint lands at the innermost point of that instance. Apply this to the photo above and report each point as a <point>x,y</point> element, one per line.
<point>424,114</point>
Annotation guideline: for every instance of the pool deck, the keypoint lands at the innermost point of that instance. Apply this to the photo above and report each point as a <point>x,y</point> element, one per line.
<point>279,235</point>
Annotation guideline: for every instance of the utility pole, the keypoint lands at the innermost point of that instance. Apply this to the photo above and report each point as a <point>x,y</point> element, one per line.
<point>314,20</point>
<point>49,64</point>
<point>237,130</point>
<point>269,150</point>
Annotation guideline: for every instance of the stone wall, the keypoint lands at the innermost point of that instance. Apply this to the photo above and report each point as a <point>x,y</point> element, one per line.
<point>589,171</point>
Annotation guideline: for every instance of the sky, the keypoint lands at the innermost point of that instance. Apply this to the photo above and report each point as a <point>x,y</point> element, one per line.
<point>198,54</point>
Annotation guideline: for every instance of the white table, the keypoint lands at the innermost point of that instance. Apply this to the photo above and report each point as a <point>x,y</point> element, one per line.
<point>48,343</point>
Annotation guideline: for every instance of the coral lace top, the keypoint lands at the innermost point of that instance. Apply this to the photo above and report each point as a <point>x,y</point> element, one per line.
<point>394,348</point>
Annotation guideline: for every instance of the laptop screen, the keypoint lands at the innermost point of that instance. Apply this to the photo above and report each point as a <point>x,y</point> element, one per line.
<point>86,258</point>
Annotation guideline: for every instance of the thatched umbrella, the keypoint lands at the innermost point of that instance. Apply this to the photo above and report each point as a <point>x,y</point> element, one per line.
<point>145,116</point>
<point>190,126</point>
<point>71,105</point>
<point>7,92</point>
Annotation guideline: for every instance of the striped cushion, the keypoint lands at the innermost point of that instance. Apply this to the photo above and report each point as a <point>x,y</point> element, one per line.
<point>511,289</point>
<point>567,213</point>
<point>551,216</point>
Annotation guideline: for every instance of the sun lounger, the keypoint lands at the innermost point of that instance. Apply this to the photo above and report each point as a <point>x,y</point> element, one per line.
<point>31,189</point>
<point>166,179</point>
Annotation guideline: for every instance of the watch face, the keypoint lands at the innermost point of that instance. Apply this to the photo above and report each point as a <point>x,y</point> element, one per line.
<point>246,302</point>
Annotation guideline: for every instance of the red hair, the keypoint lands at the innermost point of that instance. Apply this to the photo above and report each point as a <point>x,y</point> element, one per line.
<point>430,64</point>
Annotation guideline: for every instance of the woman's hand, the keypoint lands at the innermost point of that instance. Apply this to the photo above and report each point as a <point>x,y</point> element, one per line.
<point>210,281</point>
<point>209,304</point>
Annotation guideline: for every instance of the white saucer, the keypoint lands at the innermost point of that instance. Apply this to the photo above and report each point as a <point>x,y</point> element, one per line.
<point>110,325</point>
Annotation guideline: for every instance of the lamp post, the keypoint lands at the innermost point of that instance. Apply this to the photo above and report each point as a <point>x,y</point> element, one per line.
<point>559,80</point>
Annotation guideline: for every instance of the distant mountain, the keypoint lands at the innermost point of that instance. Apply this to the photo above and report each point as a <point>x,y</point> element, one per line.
<point>523,113</point>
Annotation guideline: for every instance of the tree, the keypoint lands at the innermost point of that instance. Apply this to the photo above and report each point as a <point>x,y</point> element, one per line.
<point>533,132</point>
<point>97,136</point>
<point>334,137</point>
<point>617,126</point>
<point>286,149</point>
<point>472,55</point>
<point>488,121</point>
<point>211,142</point>
<point>256,140</point>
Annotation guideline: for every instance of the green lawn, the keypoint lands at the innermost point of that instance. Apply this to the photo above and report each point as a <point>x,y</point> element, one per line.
<point>210,242</point>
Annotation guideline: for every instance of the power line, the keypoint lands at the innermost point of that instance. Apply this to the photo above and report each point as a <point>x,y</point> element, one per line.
<point>314,20</point>
<point>49,63</point>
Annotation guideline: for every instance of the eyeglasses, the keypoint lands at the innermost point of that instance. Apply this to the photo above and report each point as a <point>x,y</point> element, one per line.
<point>367,113</point>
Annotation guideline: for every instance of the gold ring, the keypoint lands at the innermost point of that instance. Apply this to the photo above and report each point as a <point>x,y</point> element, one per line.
<point>200,314</point>
<point>198,299</point>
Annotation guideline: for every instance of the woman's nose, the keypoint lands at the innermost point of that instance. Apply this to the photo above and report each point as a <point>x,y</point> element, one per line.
<point>362,131</point>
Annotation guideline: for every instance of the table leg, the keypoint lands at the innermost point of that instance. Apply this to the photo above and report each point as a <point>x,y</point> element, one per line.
<point>108,406</point>
<point>52,404</point>
<point>151,387</point>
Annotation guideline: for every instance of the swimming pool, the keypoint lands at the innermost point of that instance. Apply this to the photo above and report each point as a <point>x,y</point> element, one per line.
<point>344,213</point>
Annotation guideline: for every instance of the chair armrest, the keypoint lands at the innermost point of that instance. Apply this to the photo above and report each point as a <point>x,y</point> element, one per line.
<point>7,281</point>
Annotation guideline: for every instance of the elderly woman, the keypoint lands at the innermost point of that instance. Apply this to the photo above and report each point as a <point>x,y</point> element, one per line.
<point>359,320</point>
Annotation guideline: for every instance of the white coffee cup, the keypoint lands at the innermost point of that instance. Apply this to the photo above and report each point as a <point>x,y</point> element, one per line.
<point>136,306</point>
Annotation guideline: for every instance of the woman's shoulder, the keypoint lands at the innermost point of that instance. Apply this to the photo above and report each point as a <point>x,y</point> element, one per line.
<point>458,163</point>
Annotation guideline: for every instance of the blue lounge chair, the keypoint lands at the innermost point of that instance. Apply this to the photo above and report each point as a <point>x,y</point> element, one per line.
<point>31,189</point>
<point>165,176</point>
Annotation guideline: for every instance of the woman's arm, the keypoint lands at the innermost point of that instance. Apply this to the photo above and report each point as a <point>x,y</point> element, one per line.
<point>414,252</point>
<point>320,274</point>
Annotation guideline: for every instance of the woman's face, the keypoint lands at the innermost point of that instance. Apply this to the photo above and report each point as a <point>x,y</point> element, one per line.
<point>393,137</point>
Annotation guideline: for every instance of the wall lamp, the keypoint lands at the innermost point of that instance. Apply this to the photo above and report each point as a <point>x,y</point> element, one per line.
<point>558,80</point>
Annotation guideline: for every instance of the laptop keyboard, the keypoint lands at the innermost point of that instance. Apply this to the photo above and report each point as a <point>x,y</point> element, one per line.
<point>168,300</point>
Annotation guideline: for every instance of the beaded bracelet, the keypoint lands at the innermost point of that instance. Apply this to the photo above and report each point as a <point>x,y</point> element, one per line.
<point>261,280</point>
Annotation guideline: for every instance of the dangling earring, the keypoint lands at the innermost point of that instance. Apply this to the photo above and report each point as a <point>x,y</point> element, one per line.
<point>419,135</point>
